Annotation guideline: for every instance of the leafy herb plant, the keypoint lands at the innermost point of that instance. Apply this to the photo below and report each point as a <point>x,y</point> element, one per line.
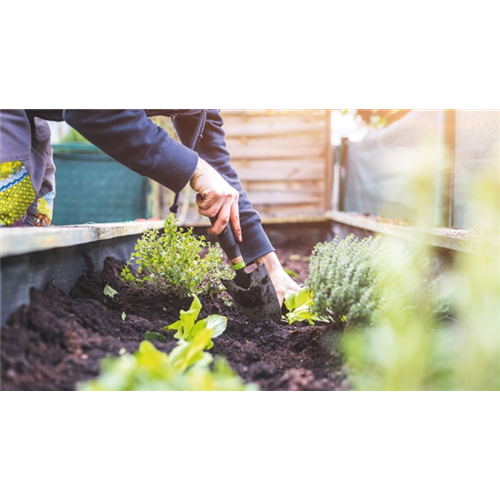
<point>173,262</point>
<point>349,280</point>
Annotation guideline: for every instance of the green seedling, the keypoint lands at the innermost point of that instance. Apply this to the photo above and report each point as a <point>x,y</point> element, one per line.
<point>186,368</point>
<point>154,336</point>
<point>188,328</point>
<point>300,305</point>
<point>110,292</point>
<point>124,315</point>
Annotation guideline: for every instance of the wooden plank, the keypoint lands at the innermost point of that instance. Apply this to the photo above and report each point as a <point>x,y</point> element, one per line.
<point>328,168</point>
<point>257,170</point>
<point>278,121</point>
<point>303,140</point>
<point>284,198</point>
<point>26,240</point>
<point>268,128</point>
<point>311,186</point>
<point>268,152</point>
<point>453,239</point>
<point>270,211</point>
<point>273,112</point>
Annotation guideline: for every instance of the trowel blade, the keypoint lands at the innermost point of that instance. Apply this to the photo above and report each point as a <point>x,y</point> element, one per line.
<point>255,294</point>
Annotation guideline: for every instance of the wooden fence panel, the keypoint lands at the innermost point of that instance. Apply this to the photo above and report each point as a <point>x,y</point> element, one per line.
<point>283,158</point>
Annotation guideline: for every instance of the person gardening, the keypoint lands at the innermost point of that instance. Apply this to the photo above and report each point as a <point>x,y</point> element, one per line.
<point>132,139</point>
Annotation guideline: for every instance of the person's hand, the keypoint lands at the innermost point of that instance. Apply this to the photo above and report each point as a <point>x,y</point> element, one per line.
<point>216,198</point>
<point>281,281</point>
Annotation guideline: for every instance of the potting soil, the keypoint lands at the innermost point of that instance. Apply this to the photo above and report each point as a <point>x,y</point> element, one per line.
<point>59,340</point>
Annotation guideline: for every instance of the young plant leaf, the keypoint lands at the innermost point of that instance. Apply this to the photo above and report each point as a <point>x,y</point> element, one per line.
<point>187,321</point>
<point>299,304</point>
<point>291,273</point>
<point>187,367</point>
<point>153,363</point>
<point>154,336</point>
<point>186,353</point>
<point>110,292</point>
<point>214,324</point>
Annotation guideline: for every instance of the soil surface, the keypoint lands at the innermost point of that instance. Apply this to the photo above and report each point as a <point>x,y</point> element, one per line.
<point>59,340</point>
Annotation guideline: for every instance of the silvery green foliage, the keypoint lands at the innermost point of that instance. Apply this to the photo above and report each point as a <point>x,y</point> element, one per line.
<point>343,277</point>
<point>352,280</point>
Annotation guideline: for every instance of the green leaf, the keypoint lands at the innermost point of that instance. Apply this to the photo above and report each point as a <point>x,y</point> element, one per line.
<point>124,315</point>
<point>299,304</point>
<point>304,297</point>
<point>110,292</point>
<point>154,336</point>
<point>186,354</point>
<point>291,273</point>
<point>290,300</point>
<point>156,363</point>
<point>217,324</point>
<point>214,324</point>
<point>127,370</point>
<point>187,321</point>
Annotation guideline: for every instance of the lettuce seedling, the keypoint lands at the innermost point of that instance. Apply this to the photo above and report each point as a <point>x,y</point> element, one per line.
<point>299,305</point>
<point>110,292</point>
<point>187,328</point>
<point>186,368</point>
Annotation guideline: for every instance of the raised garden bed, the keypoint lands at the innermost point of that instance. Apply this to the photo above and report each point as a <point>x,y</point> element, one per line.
<point>59,339</point>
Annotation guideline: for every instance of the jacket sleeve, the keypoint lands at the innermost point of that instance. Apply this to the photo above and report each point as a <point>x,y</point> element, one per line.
<point>212,148</point>
<point>131,138</point>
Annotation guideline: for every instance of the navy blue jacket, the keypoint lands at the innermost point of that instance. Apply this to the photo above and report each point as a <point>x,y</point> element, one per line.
<point>131,138</point>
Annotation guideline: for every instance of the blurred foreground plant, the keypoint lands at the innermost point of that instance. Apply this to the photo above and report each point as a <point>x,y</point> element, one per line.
<point>396,351</point>
<point>477,300</point>
<point>411,348</point>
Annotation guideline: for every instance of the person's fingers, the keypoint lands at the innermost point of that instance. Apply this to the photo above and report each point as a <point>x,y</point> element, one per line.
<point>209,207</point>
<point>224,208</point>
<point>235,221</point>
<point>216,199</point>
<point>222,219</point>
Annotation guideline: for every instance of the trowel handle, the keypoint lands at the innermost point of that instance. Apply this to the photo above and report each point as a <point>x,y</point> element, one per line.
<point>230,246</point>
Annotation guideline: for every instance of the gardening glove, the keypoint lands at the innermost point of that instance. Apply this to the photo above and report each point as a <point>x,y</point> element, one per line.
<point>281,281</point>
<point>216,198</point>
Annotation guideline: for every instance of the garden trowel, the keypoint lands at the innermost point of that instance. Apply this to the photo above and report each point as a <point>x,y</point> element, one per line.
<point>252,288</point>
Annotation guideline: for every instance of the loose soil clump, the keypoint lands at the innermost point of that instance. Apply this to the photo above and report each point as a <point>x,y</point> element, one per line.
<point>59,340</point>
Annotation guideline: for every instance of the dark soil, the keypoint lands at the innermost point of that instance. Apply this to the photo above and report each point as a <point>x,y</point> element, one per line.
<point>59,340</point>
